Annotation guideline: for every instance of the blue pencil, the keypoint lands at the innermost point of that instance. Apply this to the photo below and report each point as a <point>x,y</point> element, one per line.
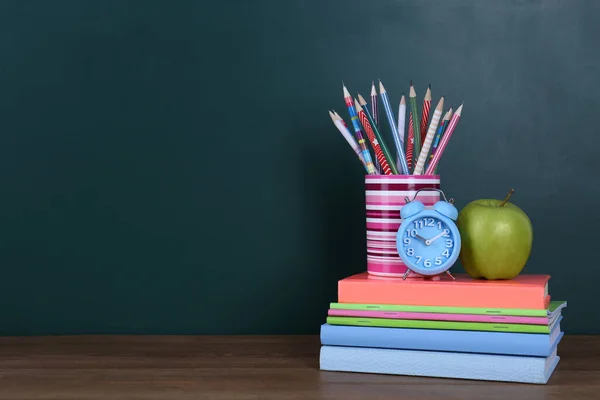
<point>401,162</point>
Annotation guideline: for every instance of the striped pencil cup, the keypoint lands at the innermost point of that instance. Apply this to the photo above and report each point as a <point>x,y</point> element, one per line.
<point>385,197</point>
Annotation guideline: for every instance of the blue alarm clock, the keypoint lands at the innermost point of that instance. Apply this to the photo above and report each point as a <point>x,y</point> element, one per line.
<point>428,241</point>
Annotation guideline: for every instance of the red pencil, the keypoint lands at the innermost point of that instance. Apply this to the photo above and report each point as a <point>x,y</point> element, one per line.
<point>410,142</point>
<point>425,113</point>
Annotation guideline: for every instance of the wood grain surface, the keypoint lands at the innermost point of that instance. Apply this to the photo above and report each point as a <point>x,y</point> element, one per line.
<point>247,367</point>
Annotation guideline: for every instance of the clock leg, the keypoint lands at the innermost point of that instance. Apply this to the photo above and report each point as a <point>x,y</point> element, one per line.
<point>453,278</point>
<point>406,274</point>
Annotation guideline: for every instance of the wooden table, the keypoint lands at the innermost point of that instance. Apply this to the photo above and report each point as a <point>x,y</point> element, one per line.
<point>247,367</point>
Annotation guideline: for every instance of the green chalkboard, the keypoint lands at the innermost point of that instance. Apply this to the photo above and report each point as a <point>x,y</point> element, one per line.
<point>170,167</point>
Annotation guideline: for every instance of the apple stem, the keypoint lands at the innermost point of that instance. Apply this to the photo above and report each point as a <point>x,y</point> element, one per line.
<point>507,197</point>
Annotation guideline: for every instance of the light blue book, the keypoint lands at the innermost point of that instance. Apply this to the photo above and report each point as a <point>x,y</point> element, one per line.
<point>505,343</point>
<point>487,367</point>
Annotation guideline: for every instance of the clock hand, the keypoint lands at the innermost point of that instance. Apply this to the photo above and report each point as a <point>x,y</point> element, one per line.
<point>421,238</point>
<point>433,239</point>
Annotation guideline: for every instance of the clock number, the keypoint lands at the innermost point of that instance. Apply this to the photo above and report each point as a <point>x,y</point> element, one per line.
<point>449,242</point>
<point>419,224</point>
<point>446,253</point>
<point>438,261</point>
<point>446,232</point>
<point>427,263</point>
<point>406,241</point>
<point>411,233</point>
<point>440,225</point>
<point>428,221</point>
<point>410,251</point>
<point>419,259</point>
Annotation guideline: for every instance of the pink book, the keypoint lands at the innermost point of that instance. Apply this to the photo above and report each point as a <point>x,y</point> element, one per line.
<point>445,317</point>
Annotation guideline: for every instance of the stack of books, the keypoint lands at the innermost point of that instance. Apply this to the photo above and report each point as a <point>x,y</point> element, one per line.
<point>504,330</point>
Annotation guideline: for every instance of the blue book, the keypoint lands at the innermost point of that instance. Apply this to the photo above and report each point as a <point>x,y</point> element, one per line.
<point>487,367</point>
<point>520,344</point>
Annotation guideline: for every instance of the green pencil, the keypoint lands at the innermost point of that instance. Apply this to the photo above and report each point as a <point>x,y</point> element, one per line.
<point>416,125</point>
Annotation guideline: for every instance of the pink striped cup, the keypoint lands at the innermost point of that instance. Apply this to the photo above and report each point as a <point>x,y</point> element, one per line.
<point>385,197</point>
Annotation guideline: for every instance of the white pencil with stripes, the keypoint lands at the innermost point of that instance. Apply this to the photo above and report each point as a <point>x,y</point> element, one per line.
<point>444,142</point>
<point>437,114</point>
<point>338,121</point>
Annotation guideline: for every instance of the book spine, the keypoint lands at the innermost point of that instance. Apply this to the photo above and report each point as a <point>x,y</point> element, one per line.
<point>495,319</point>
<point>487,296</point>
<point>520,344</point>
<point>486,367</point>
<point>448,325</point>
<point>446,310</point>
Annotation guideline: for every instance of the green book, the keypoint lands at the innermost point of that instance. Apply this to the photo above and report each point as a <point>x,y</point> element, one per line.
<point>447,325</point>
<point>450,310</point>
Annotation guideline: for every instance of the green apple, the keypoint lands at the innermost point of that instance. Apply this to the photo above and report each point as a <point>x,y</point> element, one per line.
<point>496,238</point>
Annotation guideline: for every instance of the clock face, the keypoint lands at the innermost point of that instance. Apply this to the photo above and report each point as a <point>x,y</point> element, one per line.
<point>428,243</point>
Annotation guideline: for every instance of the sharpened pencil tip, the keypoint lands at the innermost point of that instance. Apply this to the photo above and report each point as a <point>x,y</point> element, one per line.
<point>430,86</point>
<point>346,92</point>
<point>361,99</point>
<point>411,82</point>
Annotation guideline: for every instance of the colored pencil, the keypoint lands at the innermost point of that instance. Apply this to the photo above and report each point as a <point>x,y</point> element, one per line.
<point>410,142</point>
<point>341,119</point>
<point>352,137</point>
<point>338,116</point>
<point>362,116</point>
<point>341,126</point>
<point>439,133</point>
<point>374,104</point>
<point>359,134</point>
<point>386,153</point>
<point>450,113</point>
<point>444,141</point>
<point>375,113</point>
<point>401,159</point>
<point>425,113</point>
<point>437,114</point>
<point>412,98</point>
<point>402,120</point>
